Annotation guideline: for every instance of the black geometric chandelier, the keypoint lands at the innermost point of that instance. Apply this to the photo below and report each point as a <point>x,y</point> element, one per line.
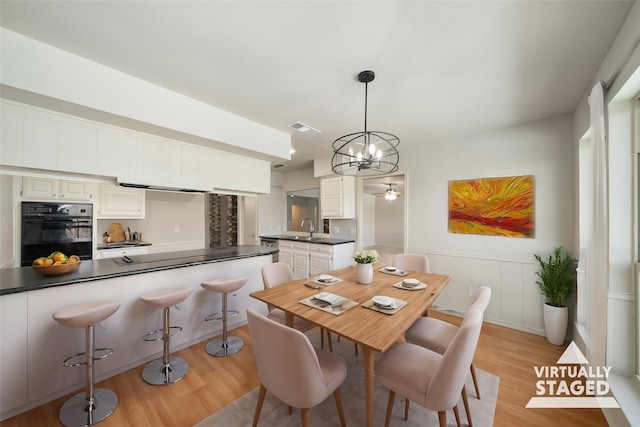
<point>365,153</point>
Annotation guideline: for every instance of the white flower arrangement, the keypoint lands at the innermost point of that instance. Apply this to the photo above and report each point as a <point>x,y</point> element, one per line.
<point>366,257</point>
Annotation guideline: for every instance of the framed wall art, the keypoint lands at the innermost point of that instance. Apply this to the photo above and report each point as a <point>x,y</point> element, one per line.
<point>492,206</point>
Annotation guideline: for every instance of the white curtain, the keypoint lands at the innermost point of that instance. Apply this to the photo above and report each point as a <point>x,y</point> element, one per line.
<point>598,249</point>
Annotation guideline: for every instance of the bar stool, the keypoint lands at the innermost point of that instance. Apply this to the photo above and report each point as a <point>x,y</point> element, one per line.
<point>93,405</point>
<point>227,345</point>
<point>168,369</point>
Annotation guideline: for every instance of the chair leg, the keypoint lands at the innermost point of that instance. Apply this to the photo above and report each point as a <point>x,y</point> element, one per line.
<point>336,397</point>
<point>261,394</point>
<point>329,341</point>
<point>306,419</point>
<point>407,402</point>
<point>466,405</point>
<point>475,381</point>
<point>392,397</point>
<point>321,338</point>
<point>442,418</point>
<point>290,409</point>
<point>356,346</point>
<point>456,413</point>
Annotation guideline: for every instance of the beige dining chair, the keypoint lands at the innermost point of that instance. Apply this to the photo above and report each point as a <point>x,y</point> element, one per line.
<point>412,262</point>
<point>278,273</point>
<point>433,380</point>
<point>436,334</point>
<point>293,370</point>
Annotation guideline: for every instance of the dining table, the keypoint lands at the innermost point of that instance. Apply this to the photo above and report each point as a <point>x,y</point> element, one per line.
<point>371,328</point>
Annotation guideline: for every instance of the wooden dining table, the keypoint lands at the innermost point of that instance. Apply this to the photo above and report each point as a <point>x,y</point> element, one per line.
<point>373,331</point>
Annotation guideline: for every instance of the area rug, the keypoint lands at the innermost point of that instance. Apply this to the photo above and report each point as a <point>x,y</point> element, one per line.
<point>275,413</point>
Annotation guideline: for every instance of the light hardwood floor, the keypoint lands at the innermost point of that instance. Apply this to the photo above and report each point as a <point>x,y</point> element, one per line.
<point>213,383</point>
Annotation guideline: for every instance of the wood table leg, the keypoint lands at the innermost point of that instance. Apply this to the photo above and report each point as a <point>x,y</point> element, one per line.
<point>367,359</point>
<point>288,319</point>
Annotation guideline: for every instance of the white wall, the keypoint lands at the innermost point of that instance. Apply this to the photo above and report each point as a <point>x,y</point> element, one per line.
<point>164,212</point>
<point>542,149</point>
<point>389,222</point>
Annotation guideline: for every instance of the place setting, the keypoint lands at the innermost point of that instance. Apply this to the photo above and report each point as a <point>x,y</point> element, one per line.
<point>326,280</point>
<point>410,284</point>
<point>390,269</point>
<point>384,304</point>
<point>331,303</point>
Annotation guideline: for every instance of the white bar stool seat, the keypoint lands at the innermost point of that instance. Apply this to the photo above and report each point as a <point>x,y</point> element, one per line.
<point>92,405</point>
<point>225,346</point>
<point>168,369</point>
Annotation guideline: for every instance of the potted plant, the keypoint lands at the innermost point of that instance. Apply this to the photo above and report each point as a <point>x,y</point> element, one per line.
<point>365,260</point>
<point>556,283</point>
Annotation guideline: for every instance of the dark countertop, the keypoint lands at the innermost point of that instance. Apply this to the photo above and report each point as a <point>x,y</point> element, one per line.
<point>14,280</point>
<point>321,240</point>
<point>124,244</point>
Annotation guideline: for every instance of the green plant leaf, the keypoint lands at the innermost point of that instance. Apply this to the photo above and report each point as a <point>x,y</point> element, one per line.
<point>556,276</point>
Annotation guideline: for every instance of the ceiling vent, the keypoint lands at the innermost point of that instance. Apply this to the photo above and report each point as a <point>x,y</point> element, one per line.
<point>279,165</point>
<point>306,129</point>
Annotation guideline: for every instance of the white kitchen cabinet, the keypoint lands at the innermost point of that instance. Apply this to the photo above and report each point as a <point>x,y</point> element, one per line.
<point>285,252</point>
<point>53,189</point>
<point>78,190</point>
<point>114,151</point>
<point>40,140</point>
<point>14,329</point>
<point>76,145</point>
<point>120,252</point>
<point>320,259</point>
<point>40,188</point>
<point>338,197</point>
<point>121,202</point>
<point>11,134</point>
<point>240,173</point>
<point>300,260</point>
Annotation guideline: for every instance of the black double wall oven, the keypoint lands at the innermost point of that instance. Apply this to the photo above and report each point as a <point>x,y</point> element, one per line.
<point>54,226</point>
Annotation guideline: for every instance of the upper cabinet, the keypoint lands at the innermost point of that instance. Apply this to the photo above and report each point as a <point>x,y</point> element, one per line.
<point>121,202</point>
<point>338,197</point>
<point>53,189</point>
<point>40,139</point>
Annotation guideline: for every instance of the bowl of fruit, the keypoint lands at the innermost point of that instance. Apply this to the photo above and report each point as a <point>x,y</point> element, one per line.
<point>55,264</point>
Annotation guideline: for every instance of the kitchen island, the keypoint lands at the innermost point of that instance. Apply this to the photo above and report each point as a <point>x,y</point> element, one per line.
<point>33,345</point>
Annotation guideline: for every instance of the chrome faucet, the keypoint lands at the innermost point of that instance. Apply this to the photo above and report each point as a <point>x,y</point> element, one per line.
<point>311,228</point>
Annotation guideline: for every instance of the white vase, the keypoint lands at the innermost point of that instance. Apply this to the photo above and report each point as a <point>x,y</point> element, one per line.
<point>555,323</point>
<point>365,273</point>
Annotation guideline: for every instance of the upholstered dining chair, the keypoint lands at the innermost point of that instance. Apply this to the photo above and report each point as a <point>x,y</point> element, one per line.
<point>436,334</point>
<point>431,379</point>
<point>275,274</point>
<point>293,370</point>
<point>413,262</point>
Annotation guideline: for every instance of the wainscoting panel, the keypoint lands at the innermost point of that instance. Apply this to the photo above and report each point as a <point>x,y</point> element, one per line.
<point>515,301</point>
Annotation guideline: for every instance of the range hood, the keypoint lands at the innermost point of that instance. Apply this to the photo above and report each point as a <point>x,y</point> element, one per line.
<point>162,187</point>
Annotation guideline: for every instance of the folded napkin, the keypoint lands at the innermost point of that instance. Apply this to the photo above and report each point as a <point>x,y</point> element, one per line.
<point>331,299</point>
<point>397,272</point>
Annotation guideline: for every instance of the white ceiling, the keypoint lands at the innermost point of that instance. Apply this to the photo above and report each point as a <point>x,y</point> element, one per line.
<point>443,68</point>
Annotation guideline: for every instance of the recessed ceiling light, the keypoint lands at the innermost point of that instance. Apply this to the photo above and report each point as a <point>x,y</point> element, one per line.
<point>306,129</point>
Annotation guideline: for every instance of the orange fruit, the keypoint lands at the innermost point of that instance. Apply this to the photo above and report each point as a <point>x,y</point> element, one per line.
<point>57,262</point>
<point>47,261</point>
<point>58,256</point>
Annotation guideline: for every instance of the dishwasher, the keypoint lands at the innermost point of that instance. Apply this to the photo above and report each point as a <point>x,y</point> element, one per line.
<point>271,243</point>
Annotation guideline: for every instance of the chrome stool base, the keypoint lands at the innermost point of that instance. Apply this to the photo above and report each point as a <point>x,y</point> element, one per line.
<point>79,411</point>
<point>220,348</point>
<point>157,373</point>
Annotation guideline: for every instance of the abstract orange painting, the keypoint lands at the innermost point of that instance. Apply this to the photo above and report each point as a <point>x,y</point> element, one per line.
<point>492,206</point>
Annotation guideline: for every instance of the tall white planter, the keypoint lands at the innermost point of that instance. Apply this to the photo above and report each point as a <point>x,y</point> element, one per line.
<point>365,273</point>
<point>555,323</point>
